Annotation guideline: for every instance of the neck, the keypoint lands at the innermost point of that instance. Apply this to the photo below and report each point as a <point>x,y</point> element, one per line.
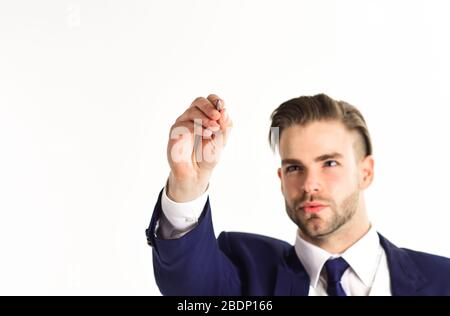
<point>343,238</point>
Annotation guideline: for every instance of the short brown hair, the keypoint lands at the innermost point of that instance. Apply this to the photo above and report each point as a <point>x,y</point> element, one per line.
<point>320,107</point>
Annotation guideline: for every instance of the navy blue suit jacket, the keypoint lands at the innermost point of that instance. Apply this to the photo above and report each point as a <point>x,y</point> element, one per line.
<point>248,264</point>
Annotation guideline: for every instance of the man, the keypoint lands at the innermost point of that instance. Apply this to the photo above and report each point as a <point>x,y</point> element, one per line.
<point>326,164</point>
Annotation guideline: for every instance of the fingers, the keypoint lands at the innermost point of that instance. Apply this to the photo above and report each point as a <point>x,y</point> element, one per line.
<point>225,120</point>
<point>181,130</point>
<point>193,114</point>
<point>207,106</point>
<point>226,125</point>
<point>212,121</point>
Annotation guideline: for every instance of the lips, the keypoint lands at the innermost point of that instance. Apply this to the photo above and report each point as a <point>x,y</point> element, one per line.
<point>313,207</point>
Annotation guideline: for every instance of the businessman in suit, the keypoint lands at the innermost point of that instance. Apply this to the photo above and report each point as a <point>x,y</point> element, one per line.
<point>326,164</point>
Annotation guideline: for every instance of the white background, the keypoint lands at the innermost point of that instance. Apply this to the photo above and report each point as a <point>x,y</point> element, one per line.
<point>89,89</point>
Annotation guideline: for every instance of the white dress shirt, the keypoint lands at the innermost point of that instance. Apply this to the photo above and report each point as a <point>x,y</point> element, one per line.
<point>368,273</point>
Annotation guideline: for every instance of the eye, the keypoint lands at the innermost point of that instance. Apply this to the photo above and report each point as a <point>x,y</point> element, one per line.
<point>331,163</point>
<point>291,169</point>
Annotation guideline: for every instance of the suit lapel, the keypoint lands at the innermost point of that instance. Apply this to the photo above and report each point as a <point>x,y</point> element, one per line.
<point>406,278</point>
<point>292,279</point>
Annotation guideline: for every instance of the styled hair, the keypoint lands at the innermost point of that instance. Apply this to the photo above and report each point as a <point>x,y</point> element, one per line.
<point>320,107</point>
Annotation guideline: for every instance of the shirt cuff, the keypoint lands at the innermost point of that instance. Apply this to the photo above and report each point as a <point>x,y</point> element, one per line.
<point>179,218</point>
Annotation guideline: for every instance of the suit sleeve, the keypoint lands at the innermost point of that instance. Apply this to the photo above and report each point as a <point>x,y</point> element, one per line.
<point>193,264</point>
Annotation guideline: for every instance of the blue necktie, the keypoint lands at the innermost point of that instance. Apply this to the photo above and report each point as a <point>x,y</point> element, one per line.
<point>335,268</point>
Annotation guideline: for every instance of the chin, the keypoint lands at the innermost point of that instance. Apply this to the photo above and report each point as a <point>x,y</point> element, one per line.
<point>318,235</point>
<point>316,230</point>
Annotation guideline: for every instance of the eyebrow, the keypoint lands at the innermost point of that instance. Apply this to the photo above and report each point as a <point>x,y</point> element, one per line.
<point>291,161</point>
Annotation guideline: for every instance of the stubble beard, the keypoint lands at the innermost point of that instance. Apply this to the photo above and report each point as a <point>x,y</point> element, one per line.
<point>318,226</point>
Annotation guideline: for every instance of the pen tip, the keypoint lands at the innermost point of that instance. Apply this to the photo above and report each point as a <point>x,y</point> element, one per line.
<point>219,105</point>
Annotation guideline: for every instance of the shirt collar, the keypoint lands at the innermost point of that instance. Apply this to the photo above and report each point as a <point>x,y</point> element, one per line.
<point>362,256</point>
<point>312,257</point>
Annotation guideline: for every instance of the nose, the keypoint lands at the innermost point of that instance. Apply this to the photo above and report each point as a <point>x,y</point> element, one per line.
<point>312,184</point>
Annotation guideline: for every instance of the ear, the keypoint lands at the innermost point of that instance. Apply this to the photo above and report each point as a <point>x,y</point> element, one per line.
<point>366,172</point>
